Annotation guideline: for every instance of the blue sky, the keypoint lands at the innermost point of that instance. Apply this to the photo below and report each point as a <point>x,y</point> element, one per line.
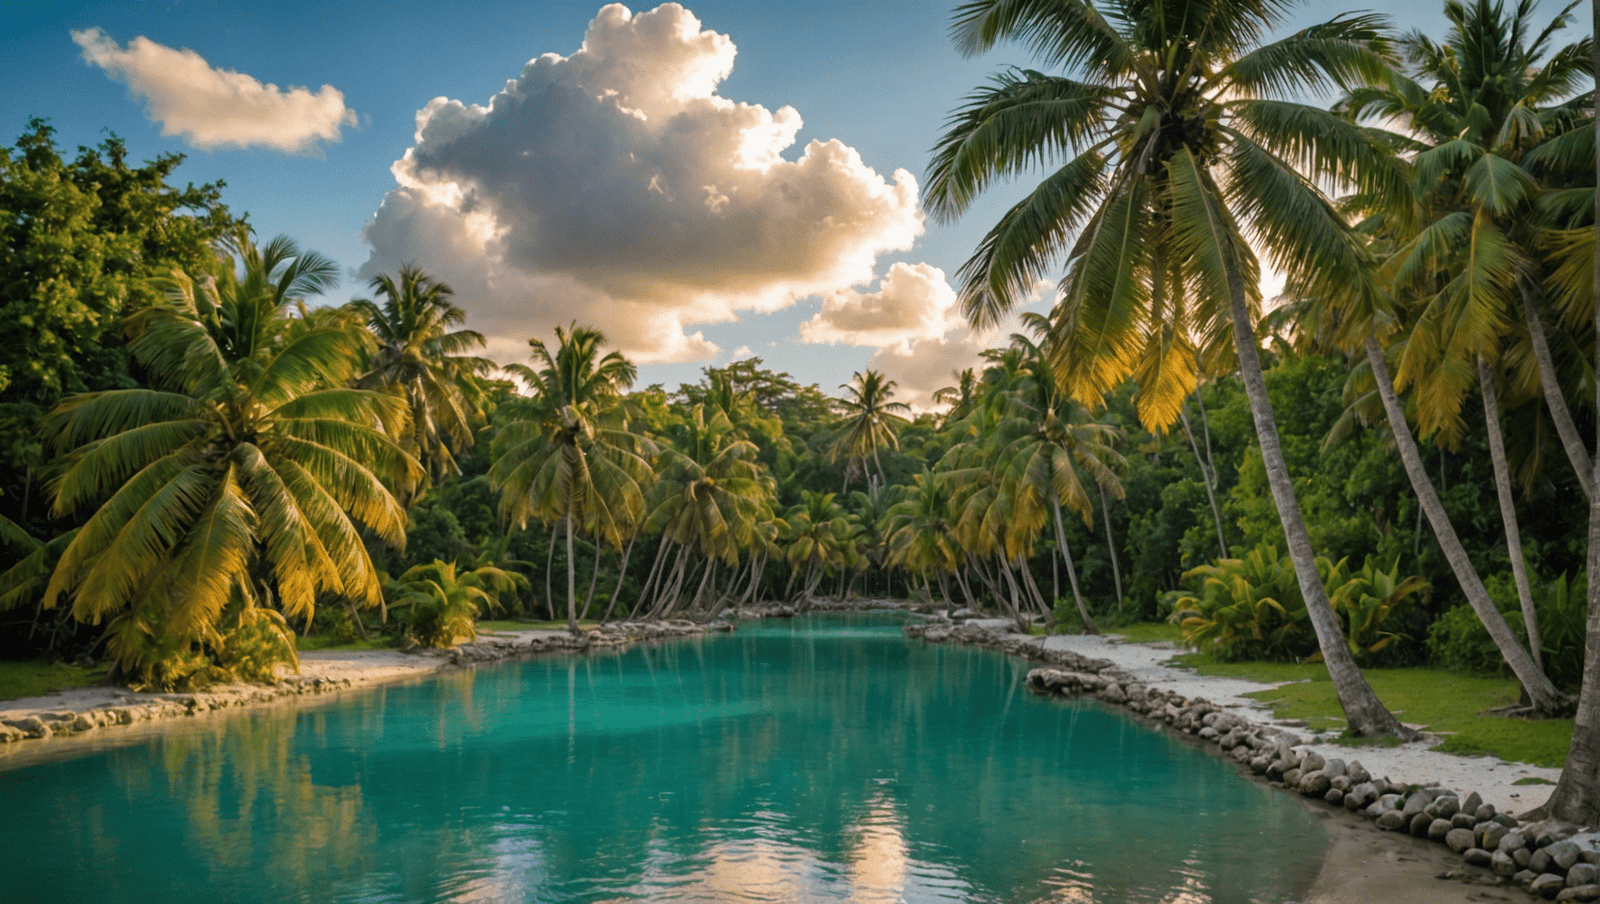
<point>697,224</point>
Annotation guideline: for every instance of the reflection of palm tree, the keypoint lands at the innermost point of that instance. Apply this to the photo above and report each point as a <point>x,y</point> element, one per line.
<point>1175,150</point>
<point>870,423</point>
<point>243,480</point>
<point>421,358</point>
<point>565,452</point>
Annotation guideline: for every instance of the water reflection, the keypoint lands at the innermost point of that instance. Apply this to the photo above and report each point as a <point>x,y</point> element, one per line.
<point>776,764</point>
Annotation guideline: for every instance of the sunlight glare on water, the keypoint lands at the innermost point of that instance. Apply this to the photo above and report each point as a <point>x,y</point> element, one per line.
<point>822,759</point>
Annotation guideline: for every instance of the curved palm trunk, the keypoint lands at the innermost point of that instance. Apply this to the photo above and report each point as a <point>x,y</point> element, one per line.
<point>1364,712</point>
<point>622,574</point>
<point>1089,627</point>
<point>1111,546</point>
<point>1560,414</point>
<point>1210,482</point>
<point>1546,699</point>
<point>1508,509</point>
<point>1576,798</point>
<point>572,582</point>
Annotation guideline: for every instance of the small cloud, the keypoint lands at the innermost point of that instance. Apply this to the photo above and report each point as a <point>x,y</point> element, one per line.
<point>912,302</point>
<point>741,353</point>
<point>217,108</point>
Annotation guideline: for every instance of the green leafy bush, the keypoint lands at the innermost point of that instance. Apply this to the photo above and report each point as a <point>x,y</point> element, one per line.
<point>1247,608</point>
<point>1458,641</point>
<point>1252,608</point>
<point>439,607</point>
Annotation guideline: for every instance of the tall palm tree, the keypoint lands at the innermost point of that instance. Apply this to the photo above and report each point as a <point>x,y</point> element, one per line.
<point>421,357</point>
<point>1473,109</point>
<point>238,486</point>
<point>565,454</point>
<point>871,422</point>
<point>1178,152</point>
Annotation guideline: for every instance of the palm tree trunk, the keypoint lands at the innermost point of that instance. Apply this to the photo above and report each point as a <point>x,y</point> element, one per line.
<point>622,574</point>
<point>1508,508</point>
<point>1210,482</point>
<point>1089,627</point>
<point>594,578</point>
<point>1560,414</point>
<point>1546,699</point>
<point>550,566</point>
<point>1576,797</point>
<point>572,582</point>
<point>1111,546</point>
<point>1038,598</point>
<point>1364,712</point>
<point>646,601</point>
<point>966,591</point>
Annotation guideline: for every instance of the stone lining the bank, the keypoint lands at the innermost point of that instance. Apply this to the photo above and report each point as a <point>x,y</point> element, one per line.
<point>1551,859</point>
<point>133,707</point>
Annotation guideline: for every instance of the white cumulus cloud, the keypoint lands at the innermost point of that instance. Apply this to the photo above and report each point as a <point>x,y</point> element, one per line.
<point>615,187</point>
<point>913,301</point>
<point>923,365</point>
<point>217,108</point>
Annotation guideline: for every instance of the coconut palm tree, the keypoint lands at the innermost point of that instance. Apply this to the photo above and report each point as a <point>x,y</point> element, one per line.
<point>565,454</point>
<point>1178,151</point>
<point>711,495</point>
<point>1053,453</point>
<point>421,358</point>
<point>238,486</point>
<point>1473,110</point>
<point>871,422</point>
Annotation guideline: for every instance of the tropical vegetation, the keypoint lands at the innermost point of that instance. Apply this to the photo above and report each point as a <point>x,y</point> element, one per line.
<point>204,459</point>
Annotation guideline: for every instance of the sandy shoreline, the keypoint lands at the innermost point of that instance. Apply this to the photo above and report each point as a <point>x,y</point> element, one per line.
<point>1363,866</point>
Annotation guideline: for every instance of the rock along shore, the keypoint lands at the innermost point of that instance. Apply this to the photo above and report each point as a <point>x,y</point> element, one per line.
<point>1549,859</point>
<point>93,709</point>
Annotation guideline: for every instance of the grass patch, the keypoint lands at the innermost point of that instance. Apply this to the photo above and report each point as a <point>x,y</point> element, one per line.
<point>1146,632</point>
<point>1442,702</point>
<point>1533,780</point>
<point>33,677</point>
<point>324,643</point>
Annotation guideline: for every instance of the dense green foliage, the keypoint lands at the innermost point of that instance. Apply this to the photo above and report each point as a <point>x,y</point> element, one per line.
<point>201,461</point>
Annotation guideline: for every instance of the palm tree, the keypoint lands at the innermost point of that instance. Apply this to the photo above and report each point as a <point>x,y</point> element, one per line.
<point>421,358</point>
<point>238,486</point>
<point>565,453</point>
<point>1177,150</point>
<point>1048,448</point>
<point>819,537</point>
<point>711,495</point>
<point>440,603</point>
<point>1468,269</point>
<point>870,423</point>
<point>918,533</point>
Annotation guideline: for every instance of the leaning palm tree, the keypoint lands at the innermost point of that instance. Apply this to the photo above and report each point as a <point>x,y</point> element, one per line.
<point>871,422</point>
<point>565,453</point>
<point>1178,154</point>
<point>420,357</point>
<point>238,487</point>
<point>1478,108</point>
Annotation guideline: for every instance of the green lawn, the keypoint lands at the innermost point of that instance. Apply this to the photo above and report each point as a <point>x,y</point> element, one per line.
<point>1443,702</point>
<point>33,677</point>
<point>1146,632</point>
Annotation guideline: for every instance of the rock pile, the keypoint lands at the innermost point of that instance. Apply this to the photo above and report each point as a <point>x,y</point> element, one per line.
<point>1551,859</point>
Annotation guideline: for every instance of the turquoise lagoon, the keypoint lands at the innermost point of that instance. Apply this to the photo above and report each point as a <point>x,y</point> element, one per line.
<point>820,759</point>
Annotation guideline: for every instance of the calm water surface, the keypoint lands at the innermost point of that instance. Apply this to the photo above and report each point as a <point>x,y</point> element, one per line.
<point>814,760</point>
